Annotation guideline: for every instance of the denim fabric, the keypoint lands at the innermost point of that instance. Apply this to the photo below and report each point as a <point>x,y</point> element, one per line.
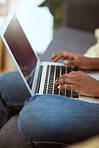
<point>47,120</point>
<point>52,119</point>
<point>13,94</point>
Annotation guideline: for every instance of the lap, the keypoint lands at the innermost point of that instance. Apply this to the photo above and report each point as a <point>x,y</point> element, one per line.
<point>54,118</point>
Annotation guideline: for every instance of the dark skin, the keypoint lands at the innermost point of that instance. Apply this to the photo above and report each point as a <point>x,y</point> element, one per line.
<point>78,81</point>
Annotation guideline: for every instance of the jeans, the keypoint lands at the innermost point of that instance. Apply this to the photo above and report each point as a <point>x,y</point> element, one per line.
<point>47,120</point>
<point>13,94</point>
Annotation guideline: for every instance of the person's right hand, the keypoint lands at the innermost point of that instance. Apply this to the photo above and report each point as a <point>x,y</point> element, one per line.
<point>73,59</point>
<point>79,82</point>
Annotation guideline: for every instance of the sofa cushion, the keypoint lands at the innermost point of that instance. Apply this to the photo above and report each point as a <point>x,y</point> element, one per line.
<point>10,136</point>
<point>71,40</point>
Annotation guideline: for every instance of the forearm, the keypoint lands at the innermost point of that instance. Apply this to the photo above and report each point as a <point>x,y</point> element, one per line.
<point>94,63</point>
<point>96,90</point>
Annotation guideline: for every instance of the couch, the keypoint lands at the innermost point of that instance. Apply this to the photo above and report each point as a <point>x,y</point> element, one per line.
<point>77,35</point>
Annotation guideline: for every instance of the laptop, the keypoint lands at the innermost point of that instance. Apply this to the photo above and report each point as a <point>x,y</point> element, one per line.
<point>38,77</point>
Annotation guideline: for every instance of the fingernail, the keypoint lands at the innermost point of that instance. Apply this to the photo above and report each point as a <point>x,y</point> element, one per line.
<point>65,62</point>
<point>52,55</point>
<point>55,81</point>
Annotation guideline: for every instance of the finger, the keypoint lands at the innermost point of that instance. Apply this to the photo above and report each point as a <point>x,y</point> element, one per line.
<point>69,75</point>
<point>67,87</point>
<point>65,81</point>
<point>72,63</point>
<point>70,56</point>
<point>57,58</point>
<point>63,58</point>
<point>64,76</point>
<point>63,55</point>
<point>53,56</point>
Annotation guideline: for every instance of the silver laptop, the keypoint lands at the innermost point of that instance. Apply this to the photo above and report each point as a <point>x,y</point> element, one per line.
<point>38,77</point>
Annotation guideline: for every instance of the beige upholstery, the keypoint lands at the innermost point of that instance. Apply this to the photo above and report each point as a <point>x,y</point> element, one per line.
<point>90,143</point>
<point>94,50</point>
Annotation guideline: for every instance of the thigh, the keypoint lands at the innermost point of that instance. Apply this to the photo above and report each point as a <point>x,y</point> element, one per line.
<point>57,119</point>
<point>13,90</point>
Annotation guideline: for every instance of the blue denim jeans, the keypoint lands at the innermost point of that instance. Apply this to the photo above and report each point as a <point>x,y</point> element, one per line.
<point>47,120</point>
<point>13,94</point>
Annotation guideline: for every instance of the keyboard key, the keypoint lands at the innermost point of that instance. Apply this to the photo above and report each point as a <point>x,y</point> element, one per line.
<point>62,92</point>
<point>75,94</point>
<point>75,68</point>
<point>44,92</point>
<point>63,70</point>
<point>68,93</point>
<point>57,71</point>
<point>69,69</point>
<point>49,92</point>
<point>56,90</point>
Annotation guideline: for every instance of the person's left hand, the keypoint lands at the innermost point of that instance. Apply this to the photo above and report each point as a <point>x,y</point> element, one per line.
<point>79,82</point>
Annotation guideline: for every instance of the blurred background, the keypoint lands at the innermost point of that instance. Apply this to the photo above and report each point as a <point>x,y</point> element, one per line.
<point>39,19</point>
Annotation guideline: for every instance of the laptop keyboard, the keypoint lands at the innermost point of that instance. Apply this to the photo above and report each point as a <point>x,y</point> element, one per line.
<point>53,72</point>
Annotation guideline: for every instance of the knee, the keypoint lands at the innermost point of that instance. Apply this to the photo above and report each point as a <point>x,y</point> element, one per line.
<point>8,81</point>
<point>45,117</point>
<point>28,120</point>
<point>12,88</point>
<point>36,120</point>
<point>23,123</point>
<point>41,119</point>
<point>7,77</point>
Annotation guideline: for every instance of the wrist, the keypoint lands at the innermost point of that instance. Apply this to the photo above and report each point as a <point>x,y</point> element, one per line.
<point>96,90</point>
<point>94,62</point>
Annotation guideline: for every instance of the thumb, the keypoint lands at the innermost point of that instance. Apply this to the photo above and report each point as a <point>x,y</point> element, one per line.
<point>71,63</point>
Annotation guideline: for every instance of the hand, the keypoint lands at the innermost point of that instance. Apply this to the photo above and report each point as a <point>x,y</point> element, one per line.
<point>74,60</point>
<point>79,82</point>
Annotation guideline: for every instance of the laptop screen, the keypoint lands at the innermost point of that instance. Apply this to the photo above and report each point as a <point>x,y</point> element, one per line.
<point>21,50</point>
